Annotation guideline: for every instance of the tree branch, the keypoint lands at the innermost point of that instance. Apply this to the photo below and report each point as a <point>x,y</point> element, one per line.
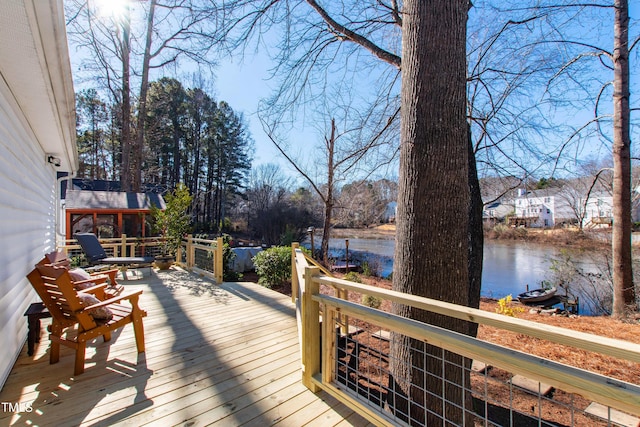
<point>356,38</point>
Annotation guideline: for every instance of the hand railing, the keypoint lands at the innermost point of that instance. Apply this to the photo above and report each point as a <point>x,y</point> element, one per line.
<point>337,349</point>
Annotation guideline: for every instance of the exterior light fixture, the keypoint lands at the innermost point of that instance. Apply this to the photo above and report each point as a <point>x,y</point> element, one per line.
<point>53,160</point>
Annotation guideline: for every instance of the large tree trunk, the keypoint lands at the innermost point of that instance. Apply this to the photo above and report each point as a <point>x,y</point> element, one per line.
<point>433,255</point>
<point>137,151</point>
<point>623,290</point>
<point>328,200</point>
<point>126,144</point>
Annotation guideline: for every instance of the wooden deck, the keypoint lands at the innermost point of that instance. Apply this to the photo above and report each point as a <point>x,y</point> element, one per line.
<point>215,355</point>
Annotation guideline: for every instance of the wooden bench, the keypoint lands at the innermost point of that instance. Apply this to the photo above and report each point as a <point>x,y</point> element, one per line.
<point>70,309</point>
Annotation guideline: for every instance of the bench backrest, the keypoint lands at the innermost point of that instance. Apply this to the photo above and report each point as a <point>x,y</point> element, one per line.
<point>55,288</point>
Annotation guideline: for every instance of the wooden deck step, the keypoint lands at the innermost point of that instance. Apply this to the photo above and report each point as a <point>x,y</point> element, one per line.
<point>531,385</point>
<point>617,417</point>
<point>480,367</point>
<point>382,335</point>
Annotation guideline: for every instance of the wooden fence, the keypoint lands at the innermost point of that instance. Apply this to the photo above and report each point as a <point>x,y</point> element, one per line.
<point>203,256</point>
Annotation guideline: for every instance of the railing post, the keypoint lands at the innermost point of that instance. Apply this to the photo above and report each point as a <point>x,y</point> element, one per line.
<point>328,344</point>
<point>294,273</point>
<point>123,246</point>
<point>218,269</point>
<point>311,347</point>
<point>189,252</point>
<point>344,319</point>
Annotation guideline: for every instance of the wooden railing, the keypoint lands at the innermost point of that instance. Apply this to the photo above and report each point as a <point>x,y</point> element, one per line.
<point>203,256</point>
<point>119,246</point>
<point>319,348</point>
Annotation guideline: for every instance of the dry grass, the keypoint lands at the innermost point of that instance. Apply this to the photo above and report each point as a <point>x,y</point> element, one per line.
<point>598,325</point>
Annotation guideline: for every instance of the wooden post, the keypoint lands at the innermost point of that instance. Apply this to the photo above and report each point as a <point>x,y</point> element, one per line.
<point>311,230</point>
<point>344,319</point>
<point>123,246</point>
<point>190,256</point>
<point>310,329</point>
<point>294,273</point>
<point>346,255</point>
<point>328,345</point>
<point>218,267</point>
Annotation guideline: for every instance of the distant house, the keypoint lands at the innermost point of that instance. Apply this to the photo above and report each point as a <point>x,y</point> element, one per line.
<point>109,213</point>
<point>543,208</point>
<point>37,140</point>
<point>556,206</point>
<point>599,210</point>
<point>535,208</point>
<point>496,211</point>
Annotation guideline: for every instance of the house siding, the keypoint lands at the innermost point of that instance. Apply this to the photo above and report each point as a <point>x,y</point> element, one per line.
<point>27,226</point>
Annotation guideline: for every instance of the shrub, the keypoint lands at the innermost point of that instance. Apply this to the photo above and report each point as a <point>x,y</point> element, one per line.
<point>273,266</point>
<point>505,307</point>
<point>228,275</point>
<point>367,269</point>
<point>371,301</point>
<point>352,276</point>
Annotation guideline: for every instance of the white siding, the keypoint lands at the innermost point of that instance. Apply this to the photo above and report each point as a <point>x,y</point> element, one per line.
<point>27,223</point>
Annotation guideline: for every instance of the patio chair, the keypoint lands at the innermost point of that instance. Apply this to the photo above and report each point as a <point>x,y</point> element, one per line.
<point>88,310</point>
<point>96,254</point>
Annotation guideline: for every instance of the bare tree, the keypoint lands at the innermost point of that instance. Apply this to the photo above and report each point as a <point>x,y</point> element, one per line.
<point>577,195</point>
<point>618,124</point>
<point>364,203</point>
<point>275,214</point>
<point>344,154</point>
<point>624,295</point>
<point>437,248</point>
<point>173,31</point>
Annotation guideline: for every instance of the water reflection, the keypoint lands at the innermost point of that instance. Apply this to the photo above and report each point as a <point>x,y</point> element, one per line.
<point>507,269</point>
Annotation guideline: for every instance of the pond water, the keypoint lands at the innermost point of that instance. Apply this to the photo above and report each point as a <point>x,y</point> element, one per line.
<point>508,266</point>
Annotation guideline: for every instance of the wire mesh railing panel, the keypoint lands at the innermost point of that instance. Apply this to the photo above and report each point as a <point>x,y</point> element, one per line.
<point>424,385</point>
<point>204,259</point>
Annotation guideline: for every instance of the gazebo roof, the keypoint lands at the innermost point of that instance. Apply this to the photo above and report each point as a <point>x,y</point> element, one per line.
<point>112,200</point>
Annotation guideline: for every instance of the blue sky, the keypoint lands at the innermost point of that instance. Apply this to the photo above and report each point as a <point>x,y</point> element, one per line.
<point>243,82</point>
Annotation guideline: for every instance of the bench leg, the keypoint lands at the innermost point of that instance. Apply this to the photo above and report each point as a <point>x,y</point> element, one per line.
<point>54,349</point>
<point>33,334</point>
<point>138,330</point>
<point>80,353</point>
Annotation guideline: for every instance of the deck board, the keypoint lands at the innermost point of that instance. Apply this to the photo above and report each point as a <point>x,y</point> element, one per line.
<point>215,355</point>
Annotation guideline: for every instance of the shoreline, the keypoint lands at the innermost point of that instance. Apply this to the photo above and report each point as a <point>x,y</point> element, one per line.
<point>587,239</point>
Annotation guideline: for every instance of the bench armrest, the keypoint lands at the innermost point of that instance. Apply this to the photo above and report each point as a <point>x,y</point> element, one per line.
<point>132,296</point>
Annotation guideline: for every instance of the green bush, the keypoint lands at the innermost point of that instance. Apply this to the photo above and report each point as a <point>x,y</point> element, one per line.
<point>367,269</point>
<point>273,266</point>
<point>228,275</point>
<point>352,276</point>
<point>371,301</point>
